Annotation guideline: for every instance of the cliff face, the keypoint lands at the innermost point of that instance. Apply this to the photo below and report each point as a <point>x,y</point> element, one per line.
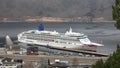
<point>55,8</point>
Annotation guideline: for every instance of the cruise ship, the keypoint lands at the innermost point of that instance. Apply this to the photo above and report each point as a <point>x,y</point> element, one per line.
<point>69,39</point>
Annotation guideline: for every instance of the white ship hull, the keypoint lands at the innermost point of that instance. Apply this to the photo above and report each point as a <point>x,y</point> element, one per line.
<point>61,40</point>
<point>52,44</point>
<point>75,45</point>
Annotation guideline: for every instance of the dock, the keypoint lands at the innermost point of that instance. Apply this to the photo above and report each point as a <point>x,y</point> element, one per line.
<point>72,60</point>
<point>80,51</point>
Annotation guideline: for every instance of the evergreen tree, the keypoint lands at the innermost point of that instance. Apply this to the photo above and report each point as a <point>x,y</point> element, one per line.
<point>116,13</point>
<point>99,64</point>
<point>112,62</point>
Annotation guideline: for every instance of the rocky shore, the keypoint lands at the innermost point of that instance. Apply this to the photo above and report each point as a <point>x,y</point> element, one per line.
<point>54,19</point>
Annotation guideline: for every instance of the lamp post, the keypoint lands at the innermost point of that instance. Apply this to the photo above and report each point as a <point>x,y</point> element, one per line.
<point>48,49</point>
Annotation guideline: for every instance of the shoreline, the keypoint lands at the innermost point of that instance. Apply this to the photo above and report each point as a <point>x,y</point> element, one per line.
<point>58,21</point>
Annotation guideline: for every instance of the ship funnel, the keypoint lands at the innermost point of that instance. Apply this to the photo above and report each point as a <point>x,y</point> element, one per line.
<point>41,27</point>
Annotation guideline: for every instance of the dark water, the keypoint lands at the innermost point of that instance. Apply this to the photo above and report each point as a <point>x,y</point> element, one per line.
<point>104,33</point>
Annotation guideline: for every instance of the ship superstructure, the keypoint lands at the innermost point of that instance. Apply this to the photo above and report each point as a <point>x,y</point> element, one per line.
<point>69,39</point>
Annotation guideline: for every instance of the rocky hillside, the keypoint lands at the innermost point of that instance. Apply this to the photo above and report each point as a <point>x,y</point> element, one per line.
<point>55,8</point>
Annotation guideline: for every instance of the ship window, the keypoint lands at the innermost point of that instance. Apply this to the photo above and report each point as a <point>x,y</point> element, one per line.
<point>52,40</point>
<point>32,32</point>
<point>63,42</point>
<point>56,41</point>
<point>69,43</point>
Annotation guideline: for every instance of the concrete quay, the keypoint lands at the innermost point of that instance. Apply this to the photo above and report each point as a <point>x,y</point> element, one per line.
<point>72,60</point>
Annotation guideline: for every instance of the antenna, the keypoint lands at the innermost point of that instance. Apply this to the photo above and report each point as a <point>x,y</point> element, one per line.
<point>70,30</point>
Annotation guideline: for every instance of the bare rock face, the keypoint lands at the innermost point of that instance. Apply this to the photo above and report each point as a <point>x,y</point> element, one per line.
<point>55,8</point>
